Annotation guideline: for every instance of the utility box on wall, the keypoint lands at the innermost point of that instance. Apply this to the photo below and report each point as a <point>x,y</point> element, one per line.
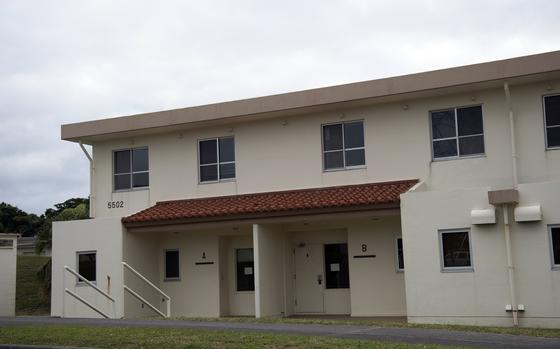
<point>8,262</point>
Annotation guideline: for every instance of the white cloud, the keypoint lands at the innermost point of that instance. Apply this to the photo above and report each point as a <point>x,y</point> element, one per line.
<point>68,61</point>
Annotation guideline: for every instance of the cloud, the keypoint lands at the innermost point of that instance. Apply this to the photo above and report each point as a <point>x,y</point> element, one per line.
<point>69,61</point>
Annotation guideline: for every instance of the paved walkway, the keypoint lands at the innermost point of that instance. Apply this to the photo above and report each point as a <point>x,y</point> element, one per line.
<point>404,335</point>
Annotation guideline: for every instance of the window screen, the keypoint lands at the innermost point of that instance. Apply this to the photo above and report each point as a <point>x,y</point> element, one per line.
<point>87,265</point>
<point>130,169</point>
<point>555,245</point>
<point>456,251</point>
<point>343,145</point>
<point>216,159</point>
<point>172,264</point>
<point>552,120</point>
<point>457,132</point>
<point>336,266</point>
<point>400,254</point>
<point>245,269</point>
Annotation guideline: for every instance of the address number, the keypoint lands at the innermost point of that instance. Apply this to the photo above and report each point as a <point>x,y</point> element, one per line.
<point>115,204</point>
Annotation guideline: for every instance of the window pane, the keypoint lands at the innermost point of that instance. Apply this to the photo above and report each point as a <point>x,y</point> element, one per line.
<point>122,161</point>
<point>553,137</point>
<point>172,264</point>
<point>141,180</point>
<point>471,145</point>
<point>354,134</point>
<point>469,121</point>
<point>445,148</point>
<point>556,244</point>
<point>122,182</point>
<point>86,265</point>
<point>140,160</point>
<point>400,254</point>
<point>443,124</point>
<point>208,154</point>
<point>332,137</point>
<point>227,149</point>
<point>355,157</point>
<point>333,160</point>
<point>456,252</point>
<point>552,110</point>
<point>336,266</point>
<point>208,173</point>
<point>227,171</point>
<point>245,269</point>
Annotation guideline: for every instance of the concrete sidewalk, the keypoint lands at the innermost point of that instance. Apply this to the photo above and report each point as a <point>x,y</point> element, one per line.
<point>402,335</point>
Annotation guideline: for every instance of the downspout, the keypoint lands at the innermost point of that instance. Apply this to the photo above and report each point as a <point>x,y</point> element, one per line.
<point>91,183</point>
<point>505,208</point>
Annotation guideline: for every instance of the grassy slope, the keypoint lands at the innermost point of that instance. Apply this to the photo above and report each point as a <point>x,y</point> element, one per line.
<point>29,297</point>
<point>159,338</point>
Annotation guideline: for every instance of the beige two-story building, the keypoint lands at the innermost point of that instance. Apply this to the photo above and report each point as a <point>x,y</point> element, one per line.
<point>432,196</point>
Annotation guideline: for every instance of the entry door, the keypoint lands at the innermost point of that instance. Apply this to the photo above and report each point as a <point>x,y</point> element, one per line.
<point>310,279</point>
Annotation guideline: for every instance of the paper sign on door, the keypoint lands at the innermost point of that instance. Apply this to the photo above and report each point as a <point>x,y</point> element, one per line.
<point>248,271</point>
<point>335,267</point>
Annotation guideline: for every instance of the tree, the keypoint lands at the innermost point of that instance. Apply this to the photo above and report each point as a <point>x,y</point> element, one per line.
<point>15,221</point>
<point>69,210</point>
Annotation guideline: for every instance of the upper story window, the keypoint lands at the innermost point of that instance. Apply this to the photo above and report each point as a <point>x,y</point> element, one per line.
<point>552,120</point>
<point>457,132</point>
<point>130,169</point>
<point>216,158</point>
<point>343,145</point>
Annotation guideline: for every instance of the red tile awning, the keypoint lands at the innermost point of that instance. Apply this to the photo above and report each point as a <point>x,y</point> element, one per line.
<point>361,197</point>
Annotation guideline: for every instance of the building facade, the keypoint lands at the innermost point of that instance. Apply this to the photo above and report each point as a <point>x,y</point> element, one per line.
<point>432,196</point>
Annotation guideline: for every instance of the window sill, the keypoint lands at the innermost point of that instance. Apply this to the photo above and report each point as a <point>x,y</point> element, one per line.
<point>350,168</point>
<point>458,270</point>
<point>130,190</point>
<point>553,148</point>
<point>220,181</point>
<point>83,284</point>
<point>555,267</point>
<point>459,158</point>
<point>171,279</point>
<point>400,271</point>
<point>244,292</point>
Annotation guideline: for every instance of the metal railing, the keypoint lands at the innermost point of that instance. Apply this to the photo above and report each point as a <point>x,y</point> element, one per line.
<point>166,298</point>
<point>81,299</point>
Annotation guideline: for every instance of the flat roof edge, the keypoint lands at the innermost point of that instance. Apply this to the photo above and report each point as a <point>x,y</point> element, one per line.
<point>371,89</point>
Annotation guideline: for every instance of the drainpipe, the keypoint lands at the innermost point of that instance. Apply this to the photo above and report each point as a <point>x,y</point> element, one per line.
<point>91,184</point>
<point>505,208</point>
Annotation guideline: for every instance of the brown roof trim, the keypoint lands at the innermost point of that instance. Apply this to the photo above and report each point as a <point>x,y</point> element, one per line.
<point>304,100</point>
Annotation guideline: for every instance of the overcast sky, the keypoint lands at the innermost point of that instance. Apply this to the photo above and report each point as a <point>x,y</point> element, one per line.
<point>69,61</point>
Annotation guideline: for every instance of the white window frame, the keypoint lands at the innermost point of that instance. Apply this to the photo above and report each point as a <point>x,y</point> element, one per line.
<point>218,163</point>
<point>551,247</point>
<point>165,278</point>
<point>457,137</point>
<point>445,269</point>
<point>399,270</point>
<point>343,149</point>
<point>78,253</point>
<point>132,172</point>
<point>546,127</point>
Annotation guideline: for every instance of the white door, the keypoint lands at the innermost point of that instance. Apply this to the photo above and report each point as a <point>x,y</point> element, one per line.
<point>310,279</point>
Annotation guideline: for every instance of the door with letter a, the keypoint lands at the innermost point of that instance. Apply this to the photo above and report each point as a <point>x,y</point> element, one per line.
<point>310,278</point>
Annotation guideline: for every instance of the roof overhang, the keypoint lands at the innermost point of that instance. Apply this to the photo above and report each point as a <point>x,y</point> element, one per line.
<point>521,70</point>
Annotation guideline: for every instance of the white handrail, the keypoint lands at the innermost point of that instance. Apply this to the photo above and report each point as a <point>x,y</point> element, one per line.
<point>86,303</point>
<point>165,296</point>
<point>143,300</point>
<point>89,283</point>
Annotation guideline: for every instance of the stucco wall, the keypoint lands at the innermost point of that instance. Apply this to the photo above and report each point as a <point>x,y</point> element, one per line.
<point>293,145</point>
<point>479,297</point>
<point>104,236</point>
<point>8,261</point>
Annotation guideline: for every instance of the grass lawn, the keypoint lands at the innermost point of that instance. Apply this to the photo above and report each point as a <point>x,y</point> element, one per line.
<point>535,332</point>
<point>30,299</point>
<point>101,337</point>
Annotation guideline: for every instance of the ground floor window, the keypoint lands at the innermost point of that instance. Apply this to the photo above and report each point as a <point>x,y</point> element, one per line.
<point>400,254</point>
<point>455,250</point>
<point>245,269</point>
<point>87,265</point>
<point>336,266</point>
<point>172,264</point>
<point>555,245</point>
